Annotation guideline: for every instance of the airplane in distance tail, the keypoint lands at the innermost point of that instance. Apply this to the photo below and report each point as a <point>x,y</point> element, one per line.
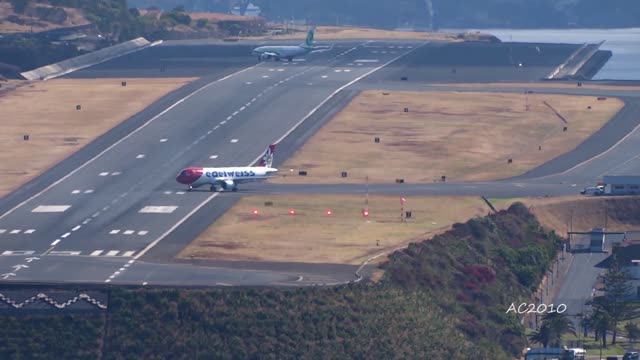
<point>228,178</point>
<point>289,52</point>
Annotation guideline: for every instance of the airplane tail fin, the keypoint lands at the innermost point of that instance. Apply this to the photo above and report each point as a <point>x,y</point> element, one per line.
<point>267,158</point>
<point>308,42</point>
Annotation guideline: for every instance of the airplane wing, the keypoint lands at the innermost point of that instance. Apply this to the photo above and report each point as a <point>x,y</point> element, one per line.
<point>321,48</point>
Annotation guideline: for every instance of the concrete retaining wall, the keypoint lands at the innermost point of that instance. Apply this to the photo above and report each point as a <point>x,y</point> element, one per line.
<point>86,60</point>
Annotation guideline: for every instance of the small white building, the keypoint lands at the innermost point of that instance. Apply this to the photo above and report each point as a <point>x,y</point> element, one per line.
<point>621,184</point>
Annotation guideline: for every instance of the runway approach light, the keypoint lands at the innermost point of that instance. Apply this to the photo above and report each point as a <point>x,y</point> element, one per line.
<point>328,212</point>
<point>255,212</point>
<point>292,212</point>
<point>365,212</point>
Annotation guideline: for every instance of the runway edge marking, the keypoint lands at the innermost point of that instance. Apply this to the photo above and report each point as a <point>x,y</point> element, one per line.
<point>207,200</point>
<point>123,139</point>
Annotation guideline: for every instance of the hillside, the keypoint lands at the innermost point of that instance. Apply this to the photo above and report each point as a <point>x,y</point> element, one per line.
<point>462,14</point>
<point>444,298</point>
<point>39,17</point>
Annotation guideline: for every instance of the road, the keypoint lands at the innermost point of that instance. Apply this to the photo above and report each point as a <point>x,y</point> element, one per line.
<point>113,212</point>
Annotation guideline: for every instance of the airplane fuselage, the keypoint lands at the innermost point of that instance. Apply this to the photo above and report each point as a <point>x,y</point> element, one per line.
<point>224,177</point>
<point>281,52</point>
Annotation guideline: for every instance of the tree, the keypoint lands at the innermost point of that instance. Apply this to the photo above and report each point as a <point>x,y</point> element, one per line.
<point>633,331</point>
<point>615,301</point>
<point>559,324</point>
<point>19,6</point>
<point>600,322</point>
<point>542,336</point>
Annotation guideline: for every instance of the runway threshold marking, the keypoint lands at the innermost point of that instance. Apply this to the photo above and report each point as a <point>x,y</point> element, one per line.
<point>158,209</point>
<point>17,252</point>
<point>125,137</point>
<point>51,208</point>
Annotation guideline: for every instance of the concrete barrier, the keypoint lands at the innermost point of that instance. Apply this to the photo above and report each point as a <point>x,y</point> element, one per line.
<point>80,62</point>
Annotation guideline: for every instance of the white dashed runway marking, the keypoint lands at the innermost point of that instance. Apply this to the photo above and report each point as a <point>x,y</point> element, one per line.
<point>112,253</point>
<point>128,232</point>
<point>128,253</point>
<point>30,231</point>
<point>213,157</point>
<point>97,253</point>
<point>140,156</point>
<point>234,140</point>
<point>65,253</point>
<point>2,231</point>
<point>158,209</point>
<point>55,242</point>
<point>17,252</point>
<point>113,232</point>
<point>17,231</point>
<point>51,208</point>
<point>163,140</point>
<point>143,232</point>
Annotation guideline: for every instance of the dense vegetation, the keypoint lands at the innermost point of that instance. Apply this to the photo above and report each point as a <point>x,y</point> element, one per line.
<point>51,337</point>
<point>445,298</point>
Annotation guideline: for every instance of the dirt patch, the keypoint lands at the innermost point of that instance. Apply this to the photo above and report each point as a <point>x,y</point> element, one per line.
<point>582,213</point>
<point>544,85</point>
<point>325,33</point>
<point>463,136</point>
<point>46,111</point>
<point>310,235</point>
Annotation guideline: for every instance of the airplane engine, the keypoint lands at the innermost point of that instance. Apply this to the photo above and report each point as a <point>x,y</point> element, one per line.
<point>265,57</point>
<point>226,184</point>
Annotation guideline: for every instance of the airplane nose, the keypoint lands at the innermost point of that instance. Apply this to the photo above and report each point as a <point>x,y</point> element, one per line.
<point>189,176</point>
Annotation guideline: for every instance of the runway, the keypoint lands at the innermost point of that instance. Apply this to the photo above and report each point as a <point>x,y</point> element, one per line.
<point>113,213</point>
<point>118,205</point>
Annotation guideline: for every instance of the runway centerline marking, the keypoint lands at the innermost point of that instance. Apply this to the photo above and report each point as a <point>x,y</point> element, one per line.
<point>128,232</point>
<point>55,242</point>
<point>17,231</point>
<point>234,140</point>
<point>97,253</point>
<point>140,156</point>
<point>213,157</point>
<point>113,232</point>
<point>65,235</point>
<point>163,140</point>
<point>158,209</point>
<point>126,137</point>
<point>51,208</point>
<point>112,253</point>
<point>76,228</point>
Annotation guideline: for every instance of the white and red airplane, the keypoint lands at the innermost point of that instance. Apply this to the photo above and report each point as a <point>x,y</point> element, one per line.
<point>228,177</point>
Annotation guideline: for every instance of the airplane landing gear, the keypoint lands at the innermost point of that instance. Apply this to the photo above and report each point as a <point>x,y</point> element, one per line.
<point>290,59</point>
<point>234,189</point>
<point>190,188</point>
<point>213,188</point>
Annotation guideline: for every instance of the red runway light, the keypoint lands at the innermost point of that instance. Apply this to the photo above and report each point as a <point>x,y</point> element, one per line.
<point>328,212</point>
<point>255,212</point>
<point>365,213</point>
<point>292,212</point>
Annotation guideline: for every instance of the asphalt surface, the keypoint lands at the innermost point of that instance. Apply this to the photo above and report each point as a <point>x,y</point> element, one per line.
<point>104,237</point>
<point>104,223</point>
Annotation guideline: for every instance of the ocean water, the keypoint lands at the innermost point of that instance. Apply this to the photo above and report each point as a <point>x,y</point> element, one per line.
<point>624,43</point>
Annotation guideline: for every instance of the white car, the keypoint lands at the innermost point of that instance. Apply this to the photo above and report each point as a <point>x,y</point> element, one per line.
<point>593,190</point>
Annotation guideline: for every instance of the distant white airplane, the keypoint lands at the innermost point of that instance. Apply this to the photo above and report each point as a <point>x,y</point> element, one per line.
<point>288,52</point>
<point>228,177</point>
